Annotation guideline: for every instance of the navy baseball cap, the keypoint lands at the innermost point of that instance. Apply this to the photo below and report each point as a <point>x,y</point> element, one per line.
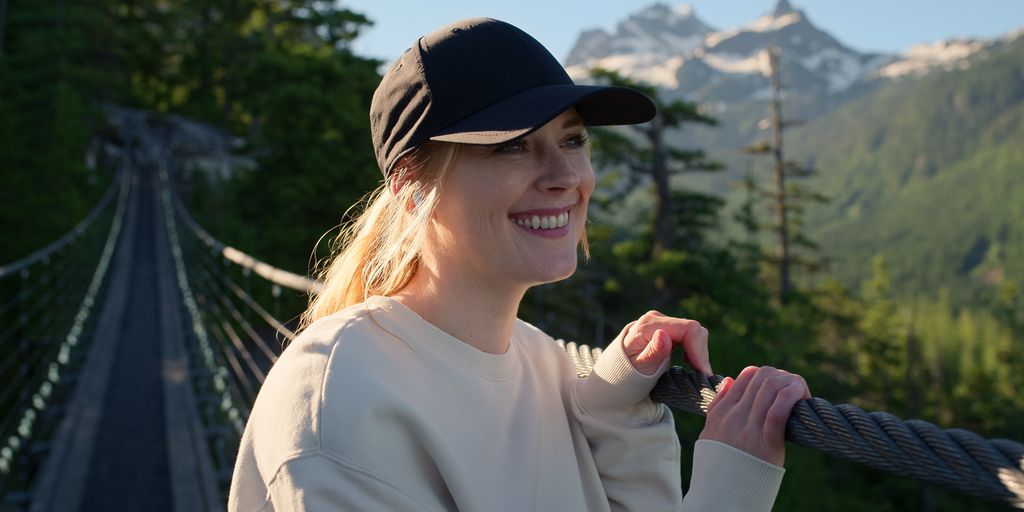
<point>484,81</point>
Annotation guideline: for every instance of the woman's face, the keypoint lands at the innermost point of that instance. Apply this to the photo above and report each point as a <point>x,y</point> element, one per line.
<point>512,214</point>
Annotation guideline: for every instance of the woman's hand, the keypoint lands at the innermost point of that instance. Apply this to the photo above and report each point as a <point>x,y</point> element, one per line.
<point>649,340</point>
<point>750,412</point>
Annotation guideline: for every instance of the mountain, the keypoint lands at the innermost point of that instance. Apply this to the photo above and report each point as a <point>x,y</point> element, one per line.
<point>677,51</point>
<point>930,173</point>
<point>919,150</point>
<point>650,45</point>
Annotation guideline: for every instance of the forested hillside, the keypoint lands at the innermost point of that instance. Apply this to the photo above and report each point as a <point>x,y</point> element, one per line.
<point>929,173</point>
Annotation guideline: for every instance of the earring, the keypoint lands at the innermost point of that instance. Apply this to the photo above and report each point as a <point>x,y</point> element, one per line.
<point>417,198</point>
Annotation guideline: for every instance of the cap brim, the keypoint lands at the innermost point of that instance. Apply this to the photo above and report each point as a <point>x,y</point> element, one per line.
<point>523,113</point>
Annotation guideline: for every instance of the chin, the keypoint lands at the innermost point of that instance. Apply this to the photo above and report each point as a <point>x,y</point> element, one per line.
<point>559,272</point>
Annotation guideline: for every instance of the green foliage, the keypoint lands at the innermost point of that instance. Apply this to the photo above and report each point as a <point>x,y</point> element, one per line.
<point>280,75</point>
<point>927,172</point>
<point>47,117</point>
<point>315,157</point>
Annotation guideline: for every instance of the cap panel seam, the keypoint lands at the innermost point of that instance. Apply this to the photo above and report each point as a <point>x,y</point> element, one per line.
<point>527,48</point>
<point>422,70</point>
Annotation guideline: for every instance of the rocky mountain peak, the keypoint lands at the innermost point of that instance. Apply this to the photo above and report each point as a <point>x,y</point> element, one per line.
<point>672,48</point>
<point>659,31</point>
<point>783,8</point>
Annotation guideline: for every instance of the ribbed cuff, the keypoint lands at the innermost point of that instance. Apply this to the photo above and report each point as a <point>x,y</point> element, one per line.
<point>616,391</point>
<point>728,479</point>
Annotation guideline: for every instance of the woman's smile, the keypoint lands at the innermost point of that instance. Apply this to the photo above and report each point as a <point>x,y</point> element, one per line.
<point>544,222</point>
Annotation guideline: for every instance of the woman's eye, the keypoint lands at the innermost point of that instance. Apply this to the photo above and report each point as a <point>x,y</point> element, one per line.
<point>578,141</point>
<point>512,146</point>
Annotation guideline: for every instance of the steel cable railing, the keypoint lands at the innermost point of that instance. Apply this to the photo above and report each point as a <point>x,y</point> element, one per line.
<point>957,459</point>
<point>230,354</point>
<point>48,315</point>
<point>223,311</point>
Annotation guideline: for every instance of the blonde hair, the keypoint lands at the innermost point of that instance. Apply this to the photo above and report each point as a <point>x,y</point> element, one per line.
<point>379,251</point>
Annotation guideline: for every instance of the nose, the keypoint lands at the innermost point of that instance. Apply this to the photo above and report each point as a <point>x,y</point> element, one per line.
<point>561,172</point>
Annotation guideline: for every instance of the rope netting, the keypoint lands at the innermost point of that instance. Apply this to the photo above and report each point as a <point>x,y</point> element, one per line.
<point>991,469</point>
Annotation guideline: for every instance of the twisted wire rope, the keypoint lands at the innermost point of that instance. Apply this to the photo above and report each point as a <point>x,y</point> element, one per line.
<point>991,469</point>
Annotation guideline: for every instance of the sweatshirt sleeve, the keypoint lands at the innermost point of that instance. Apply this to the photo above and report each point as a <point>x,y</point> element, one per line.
<point>728,479</point>
<point>637,451</point>
<point>632,439</point>
<point>315,482</point>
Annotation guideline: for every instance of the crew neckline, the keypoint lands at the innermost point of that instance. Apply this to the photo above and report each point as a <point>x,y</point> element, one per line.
<point>422,335</point>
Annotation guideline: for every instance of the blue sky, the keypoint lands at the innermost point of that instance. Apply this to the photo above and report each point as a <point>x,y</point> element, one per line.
<point>865,25</point>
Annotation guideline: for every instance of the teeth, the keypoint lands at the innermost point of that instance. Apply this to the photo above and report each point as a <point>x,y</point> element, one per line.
<point>543,222</point>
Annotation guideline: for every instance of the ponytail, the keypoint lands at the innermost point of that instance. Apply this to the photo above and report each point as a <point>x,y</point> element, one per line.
<point>378,252</point>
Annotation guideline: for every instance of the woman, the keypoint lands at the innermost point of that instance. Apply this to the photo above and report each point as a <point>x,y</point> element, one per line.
<point>414,387</point>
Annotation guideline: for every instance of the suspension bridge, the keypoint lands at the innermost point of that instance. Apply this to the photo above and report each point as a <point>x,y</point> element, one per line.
<point>135,344</point>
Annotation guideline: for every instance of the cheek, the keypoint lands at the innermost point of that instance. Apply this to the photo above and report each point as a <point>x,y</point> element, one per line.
<point>588,181</point>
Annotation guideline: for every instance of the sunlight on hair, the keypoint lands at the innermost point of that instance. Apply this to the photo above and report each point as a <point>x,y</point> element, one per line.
<point>377,252</point>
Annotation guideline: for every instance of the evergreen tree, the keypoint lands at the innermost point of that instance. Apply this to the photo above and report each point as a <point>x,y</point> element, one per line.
<point>788,200</point>
<point>880,354</point>
<point>51,75</point>
<point>656,160</point>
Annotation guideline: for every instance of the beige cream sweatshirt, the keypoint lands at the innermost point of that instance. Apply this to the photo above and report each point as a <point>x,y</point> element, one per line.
<point>374,408</point>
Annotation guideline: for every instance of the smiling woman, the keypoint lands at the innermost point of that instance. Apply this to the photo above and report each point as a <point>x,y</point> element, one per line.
<point>413,386</point>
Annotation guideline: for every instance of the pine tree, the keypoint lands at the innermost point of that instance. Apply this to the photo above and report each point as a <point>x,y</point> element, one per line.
<point>880,354</point>
<point>654,159</point>
<point>788,200</point>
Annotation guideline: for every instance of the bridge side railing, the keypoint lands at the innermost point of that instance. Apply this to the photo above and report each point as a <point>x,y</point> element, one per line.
<point>46,317</point>
<point>234,338</point>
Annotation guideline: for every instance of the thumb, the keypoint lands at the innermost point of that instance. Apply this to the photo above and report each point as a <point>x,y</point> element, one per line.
<point>654,353</point>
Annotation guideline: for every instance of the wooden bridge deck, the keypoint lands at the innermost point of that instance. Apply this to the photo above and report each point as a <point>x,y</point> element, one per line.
<point>131,438</point>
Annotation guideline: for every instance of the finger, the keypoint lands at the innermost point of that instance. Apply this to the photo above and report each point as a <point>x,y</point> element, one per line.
<point>740,386</point>
<point>766,393</point>
<point>688,333</point>
<point>780,410</point>
<point>632,340</point>
<point>807,389</point>
<point>695,346</point>
<point>723,388</point>
<point>654,354</point>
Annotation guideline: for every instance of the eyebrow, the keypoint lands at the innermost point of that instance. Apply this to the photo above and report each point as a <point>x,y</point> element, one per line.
<point>576,121</point>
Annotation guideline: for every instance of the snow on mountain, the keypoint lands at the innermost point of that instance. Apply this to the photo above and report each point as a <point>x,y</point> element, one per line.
<point>830,65</point>
<point>672,48</point>
<point>651,69</point>
<point>922,58</point>
<point>755,63</point>
<point>668,47</point>
<point>772,22</point>
<point>646,38</point>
